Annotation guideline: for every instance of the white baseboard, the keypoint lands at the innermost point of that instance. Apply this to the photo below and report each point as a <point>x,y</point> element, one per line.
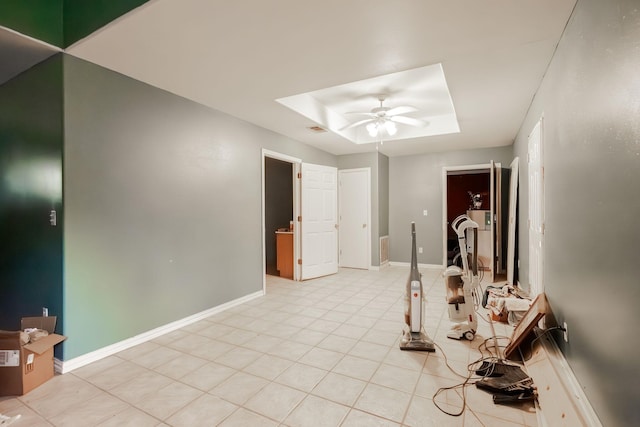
<point>379,267</point>
<point>77,362</point>
<point>561,398</point>
<point>408,264</point>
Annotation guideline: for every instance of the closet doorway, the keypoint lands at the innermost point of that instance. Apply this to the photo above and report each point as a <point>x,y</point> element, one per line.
<point>280,207</point>
<point>476,190</point>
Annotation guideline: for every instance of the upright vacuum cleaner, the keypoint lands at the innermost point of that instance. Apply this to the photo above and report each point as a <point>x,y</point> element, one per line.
<point>463,284</point>
<point>415,338</point>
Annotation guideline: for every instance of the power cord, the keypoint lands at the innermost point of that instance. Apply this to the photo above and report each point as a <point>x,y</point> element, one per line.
<point>542,334</point>
<point>471,369</point>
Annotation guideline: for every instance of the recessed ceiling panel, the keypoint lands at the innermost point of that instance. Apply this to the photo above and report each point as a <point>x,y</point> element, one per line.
<point>420,94</point>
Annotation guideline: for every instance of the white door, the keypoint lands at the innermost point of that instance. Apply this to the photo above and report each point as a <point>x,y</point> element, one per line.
<point>354,229</point>
<point>497,219</point>
<point>492,214</point>
<point>319,211</point>
<point>536,210</point>
<point>511,237</point>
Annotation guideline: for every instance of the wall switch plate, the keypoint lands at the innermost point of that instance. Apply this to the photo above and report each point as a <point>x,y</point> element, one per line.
<point>425,212</point>
<point>419,250</point>
<point>45,312</point>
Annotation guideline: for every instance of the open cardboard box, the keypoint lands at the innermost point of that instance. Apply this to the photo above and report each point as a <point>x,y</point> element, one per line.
<point>25,367</point>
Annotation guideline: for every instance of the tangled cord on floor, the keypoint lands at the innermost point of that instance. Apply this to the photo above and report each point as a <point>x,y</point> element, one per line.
<point>471,373</point>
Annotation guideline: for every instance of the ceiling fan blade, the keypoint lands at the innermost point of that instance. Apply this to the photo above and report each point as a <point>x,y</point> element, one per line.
<point>360,113</point>
<point>358,123</point>
<point>403,109</point>
<point>409,121</point>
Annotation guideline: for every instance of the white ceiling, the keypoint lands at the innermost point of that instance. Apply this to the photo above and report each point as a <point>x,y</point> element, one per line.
<point>339,108</point>
<point>240,56</point>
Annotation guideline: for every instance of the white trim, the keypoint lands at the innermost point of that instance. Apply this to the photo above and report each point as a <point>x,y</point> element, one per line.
<point>296,162</point>
<point>280,156</point>
<point>408,264</point>
<point>535,228</point>
<point>69,365</point>
<point>484,167</point>
<point>367,171</point>
<point>296,211</point>
<point>572,388</point>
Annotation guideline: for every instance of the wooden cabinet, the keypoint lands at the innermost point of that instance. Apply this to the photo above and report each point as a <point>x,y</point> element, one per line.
<point>284,253</point>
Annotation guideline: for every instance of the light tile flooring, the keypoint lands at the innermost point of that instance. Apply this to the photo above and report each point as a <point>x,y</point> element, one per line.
<point>323,352</point>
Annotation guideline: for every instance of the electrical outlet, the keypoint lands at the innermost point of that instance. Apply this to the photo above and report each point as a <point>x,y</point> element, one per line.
<point>565,332</point>
<point>425,212</point>
<point>419,250</point>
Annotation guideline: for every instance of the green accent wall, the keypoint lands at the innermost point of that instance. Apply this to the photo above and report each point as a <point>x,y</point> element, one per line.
<point>82,17</point>
<point>30,187</point>
<point>40,19</point>
<point>62,22</point>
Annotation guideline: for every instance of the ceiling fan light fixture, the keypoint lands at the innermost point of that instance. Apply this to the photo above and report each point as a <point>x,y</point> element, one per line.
<point>372,128</point>
<point>390,127</point>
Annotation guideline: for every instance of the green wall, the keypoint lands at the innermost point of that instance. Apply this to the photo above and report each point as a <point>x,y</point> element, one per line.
<point>40,19</point>
<point>62,22</point>
<point>82,17</point>
<point>30,187</point>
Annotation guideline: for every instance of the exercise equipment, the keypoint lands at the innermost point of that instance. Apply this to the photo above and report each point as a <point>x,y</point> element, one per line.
<point>415,338</point>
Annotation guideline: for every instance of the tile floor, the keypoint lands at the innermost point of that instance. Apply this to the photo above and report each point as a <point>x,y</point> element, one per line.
<point>319,353</point>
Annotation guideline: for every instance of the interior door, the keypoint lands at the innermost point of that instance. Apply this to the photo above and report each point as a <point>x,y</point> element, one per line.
<point>319,220</point>
<point>536,210</point>
<point>492,213</point>
<point>354,231</point>
<point>513,203</point>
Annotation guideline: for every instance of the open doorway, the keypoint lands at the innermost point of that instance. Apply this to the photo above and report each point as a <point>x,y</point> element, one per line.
<point>279,211</point>
<point>476,191</point>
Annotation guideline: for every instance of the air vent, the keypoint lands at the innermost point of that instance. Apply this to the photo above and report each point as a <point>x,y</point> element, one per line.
<point>316,129</point>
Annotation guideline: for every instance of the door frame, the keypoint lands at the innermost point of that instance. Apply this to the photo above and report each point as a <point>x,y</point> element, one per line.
<point>296,162</point>
<point>536,210</point>
<point>367,171</point>
<point>513,219</point>
<point>483,167</point>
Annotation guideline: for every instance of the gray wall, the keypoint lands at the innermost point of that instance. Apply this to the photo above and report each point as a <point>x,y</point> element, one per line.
<point>162,198</point>
<point>415,184</point>
<point>383,194</point>
<point>590,99</point>
<point>372,161</point>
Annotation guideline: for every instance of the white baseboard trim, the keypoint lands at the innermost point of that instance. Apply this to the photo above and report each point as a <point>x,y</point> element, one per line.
<point>63,367</point>
<point>379,267</point>
<point>560,398</point>
<point>408,264</point>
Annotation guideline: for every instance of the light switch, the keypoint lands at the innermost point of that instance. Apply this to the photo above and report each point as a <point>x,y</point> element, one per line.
<point>424,212</point>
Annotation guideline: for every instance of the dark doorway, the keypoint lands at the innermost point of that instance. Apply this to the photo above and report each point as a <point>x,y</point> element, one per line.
<point>278,203</point>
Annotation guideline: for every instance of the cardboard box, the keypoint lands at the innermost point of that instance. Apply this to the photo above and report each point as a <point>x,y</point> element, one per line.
<point>24,367</point>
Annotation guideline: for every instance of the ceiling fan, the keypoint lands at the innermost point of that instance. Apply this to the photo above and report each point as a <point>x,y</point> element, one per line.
<point>384,119</point>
